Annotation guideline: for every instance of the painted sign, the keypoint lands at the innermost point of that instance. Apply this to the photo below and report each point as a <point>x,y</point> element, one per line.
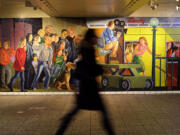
<point>134,22</point>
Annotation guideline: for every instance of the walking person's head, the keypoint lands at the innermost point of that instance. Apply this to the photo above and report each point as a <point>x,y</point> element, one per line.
<point>91,37</point>
<point>22,43</point>
<point>87,46</point>
<point>6,44</point>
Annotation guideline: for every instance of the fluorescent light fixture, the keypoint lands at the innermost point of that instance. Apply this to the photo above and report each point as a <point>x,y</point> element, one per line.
<point>153,4</point>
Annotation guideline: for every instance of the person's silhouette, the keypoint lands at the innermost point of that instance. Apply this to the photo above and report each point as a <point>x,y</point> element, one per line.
<point>86,72</point>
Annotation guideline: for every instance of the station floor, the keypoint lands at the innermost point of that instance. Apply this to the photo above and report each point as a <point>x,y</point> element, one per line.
<point>130,114</point>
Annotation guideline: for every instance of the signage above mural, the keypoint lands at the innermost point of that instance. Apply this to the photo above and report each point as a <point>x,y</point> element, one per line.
<point>134,22</point>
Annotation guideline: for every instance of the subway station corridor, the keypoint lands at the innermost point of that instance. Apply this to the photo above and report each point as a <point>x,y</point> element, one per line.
<point>130,115</point>
<point>51,50</point>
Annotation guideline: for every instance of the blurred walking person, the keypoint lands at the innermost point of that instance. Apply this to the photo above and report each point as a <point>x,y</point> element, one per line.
<point>86,72</point>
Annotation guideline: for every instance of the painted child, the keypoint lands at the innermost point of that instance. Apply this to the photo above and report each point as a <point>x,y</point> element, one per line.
<point>19,65</point>
<point>129,53</point>
<point>35,63</point>
<point>5,55</point>
<point>59,64</point>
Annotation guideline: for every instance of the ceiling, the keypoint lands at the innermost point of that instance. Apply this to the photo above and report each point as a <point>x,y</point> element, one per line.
<point>85,8</point>
<point>18,9</point>
<point>88,8</point>
<point>166,8</point>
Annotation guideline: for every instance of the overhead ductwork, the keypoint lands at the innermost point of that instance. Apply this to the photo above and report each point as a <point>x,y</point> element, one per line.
<point>45,6</point>
<point>88,8</point>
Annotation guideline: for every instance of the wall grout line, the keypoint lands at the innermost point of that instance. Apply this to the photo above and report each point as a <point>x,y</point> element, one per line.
<point>102,93</point>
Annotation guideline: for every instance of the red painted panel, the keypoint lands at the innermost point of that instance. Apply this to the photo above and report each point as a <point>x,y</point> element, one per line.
<point>5,29</point>
<point>175,74</point>
<point>27,28</point>
<point>19,32</point>
<point>12,34</point>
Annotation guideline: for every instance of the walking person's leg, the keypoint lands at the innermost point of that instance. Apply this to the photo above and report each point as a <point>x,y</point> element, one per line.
<point>66,121</point>
<point>10,85</point>
<point>106,122</point>
<point>22,81</point>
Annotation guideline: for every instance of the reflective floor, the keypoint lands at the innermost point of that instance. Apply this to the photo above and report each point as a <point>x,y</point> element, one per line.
<point>130,115</point>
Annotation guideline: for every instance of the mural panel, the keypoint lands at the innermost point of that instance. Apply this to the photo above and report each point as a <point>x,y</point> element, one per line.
<point>41,54</point>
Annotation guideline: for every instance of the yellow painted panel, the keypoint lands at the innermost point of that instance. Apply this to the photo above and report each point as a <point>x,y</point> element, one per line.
<point>163,35</point>
<point>160,49</point>
<point>172,31</point>
<point>134,31</point>
<point>169,38</point>
<point>173,37</point>
<point>131,37</point>
<point>147,57</point>
<point>160,31</point>
<point>146,30</point>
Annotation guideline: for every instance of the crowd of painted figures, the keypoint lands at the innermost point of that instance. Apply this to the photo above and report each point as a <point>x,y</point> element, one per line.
<point>39,57</point>
<point>46,55</point>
